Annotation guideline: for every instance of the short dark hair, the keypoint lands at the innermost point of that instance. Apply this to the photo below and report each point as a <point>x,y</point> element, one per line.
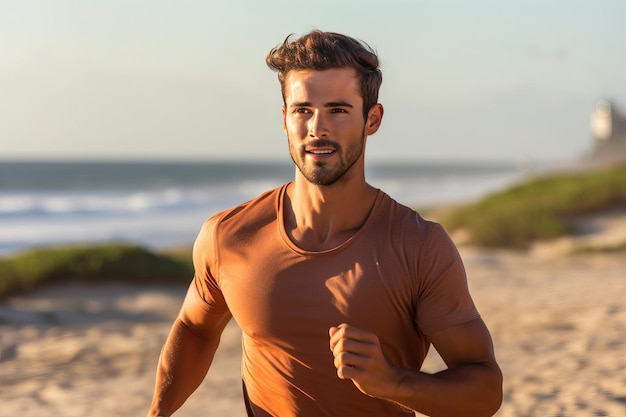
<point>320,51</point>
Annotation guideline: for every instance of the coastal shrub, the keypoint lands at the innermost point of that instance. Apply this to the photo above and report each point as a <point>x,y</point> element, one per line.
<point>541,208</point>
<point>98,263</point>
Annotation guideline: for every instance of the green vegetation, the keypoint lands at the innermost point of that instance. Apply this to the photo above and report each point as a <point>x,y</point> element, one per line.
<point>618,247</point>
<point>541,208</point>
<point>98,263</point>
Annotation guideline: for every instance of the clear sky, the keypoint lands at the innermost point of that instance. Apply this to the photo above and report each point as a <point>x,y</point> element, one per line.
<point>463,80</point>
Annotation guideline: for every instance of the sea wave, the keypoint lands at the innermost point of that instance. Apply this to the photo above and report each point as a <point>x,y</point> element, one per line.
<point>63,203</point>
<point>171,213</point>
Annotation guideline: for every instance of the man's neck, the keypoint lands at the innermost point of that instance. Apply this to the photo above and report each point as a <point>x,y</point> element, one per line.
<point>323,217</point>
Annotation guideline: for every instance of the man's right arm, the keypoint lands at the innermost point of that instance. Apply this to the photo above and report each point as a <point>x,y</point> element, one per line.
<point>186,358</point>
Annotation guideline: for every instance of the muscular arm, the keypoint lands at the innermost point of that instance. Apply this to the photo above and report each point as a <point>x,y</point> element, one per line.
<point>471,386</point>
<point>185,358</point>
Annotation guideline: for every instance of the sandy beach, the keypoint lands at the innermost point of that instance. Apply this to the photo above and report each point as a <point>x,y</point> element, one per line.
<point>558,323</point>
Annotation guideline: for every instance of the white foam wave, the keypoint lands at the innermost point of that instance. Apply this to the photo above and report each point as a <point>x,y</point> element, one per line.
<point>51,203</point>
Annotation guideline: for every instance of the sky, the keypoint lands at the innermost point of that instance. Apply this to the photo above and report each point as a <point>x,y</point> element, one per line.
<point>138,79</point>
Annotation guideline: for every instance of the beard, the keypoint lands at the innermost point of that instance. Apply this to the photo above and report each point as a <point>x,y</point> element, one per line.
<point>325,173</point>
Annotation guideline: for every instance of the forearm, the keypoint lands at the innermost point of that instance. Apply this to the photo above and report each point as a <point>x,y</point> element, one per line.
<point>183,364</point>
<point>472,390</point>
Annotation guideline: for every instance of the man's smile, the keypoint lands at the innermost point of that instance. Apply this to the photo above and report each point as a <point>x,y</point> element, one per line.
<point>321,151</point>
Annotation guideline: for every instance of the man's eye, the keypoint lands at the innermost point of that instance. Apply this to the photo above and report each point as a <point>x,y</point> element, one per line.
<point>301,111</point>
<point>339,110</point>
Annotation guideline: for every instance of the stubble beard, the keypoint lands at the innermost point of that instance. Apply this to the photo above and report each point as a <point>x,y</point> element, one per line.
<point>321,173</point>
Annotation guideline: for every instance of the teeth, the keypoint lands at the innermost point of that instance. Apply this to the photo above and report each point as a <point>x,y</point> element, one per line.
<point>321,152</point>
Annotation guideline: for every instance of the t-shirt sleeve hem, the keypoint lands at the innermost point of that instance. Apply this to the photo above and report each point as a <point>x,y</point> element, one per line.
<point>450,322</point>
<point>195,298</point>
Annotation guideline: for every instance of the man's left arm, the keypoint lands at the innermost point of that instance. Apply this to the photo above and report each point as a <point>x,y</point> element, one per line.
<point>471,386</point>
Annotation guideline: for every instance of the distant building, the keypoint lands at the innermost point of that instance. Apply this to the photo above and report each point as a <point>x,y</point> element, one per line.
<point>608,128</point>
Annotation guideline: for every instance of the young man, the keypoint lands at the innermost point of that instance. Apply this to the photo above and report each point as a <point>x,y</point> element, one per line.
<point>338,289</point>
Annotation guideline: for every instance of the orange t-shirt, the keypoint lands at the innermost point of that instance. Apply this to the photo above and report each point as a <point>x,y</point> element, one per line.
<point>399,276</point>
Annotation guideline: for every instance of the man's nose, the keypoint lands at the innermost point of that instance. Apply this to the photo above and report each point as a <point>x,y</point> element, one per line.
<point>318,126</point>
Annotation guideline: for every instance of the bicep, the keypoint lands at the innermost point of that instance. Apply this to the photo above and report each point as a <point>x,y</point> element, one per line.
<point>466,343</point>
<point>195,316</point>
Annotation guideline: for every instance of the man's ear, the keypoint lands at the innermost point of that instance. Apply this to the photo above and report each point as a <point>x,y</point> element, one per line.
<point>284,119</point>
<point>374,119</point>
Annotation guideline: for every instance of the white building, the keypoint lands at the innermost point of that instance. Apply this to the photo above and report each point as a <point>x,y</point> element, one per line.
<point>608,128</point>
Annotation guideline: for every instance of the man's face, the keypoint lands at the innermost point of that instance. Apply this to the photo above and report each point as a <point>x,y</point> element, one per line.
<point>323,120</point>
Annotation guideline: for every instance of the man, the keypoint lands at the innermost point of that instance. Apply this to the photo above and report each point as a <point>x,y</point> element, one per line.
<point>338,289</point>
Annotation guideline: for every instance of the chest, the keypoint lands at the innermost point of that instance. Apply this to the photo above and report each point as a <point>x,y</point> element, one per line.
<point>278,296</point>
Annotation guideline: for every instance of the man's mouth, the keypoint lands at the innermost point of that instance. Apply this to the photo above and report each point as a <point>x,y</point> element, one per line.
<point>320,151</point>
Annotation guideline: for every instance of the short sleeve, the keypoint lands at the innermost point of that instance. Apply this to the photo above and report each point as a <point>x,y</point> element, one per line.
<point>443,298</point>
<point>205,290</point>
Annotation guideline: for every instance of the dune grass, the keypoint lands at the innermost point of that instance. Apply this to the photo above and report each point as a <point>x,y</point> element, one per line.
<point>96,263</point>
<point>539,209</point>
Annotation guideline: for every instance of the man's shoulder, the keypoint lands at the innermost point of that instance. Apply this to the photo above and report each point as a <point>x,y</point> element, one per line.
<point>246,216</point>
<point>403,215</point>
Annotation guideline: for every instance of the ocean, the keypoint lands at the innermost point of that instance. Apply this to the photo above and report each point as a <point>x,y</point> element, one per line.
<point>163,204</point>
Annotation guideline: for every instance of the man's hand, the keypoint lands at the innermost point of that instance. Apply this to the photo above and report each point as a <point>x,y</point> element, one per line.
<point>359,357</point>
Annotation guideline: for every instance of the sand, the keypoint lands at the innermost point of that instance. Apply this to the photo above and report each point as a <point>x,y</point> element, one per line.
<point>558,323</point>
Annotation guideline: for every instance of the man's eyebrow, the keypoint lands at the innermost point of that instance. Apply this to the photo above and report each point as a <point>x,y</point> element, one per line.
<point>329,104</point>
<point>338,104</point>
